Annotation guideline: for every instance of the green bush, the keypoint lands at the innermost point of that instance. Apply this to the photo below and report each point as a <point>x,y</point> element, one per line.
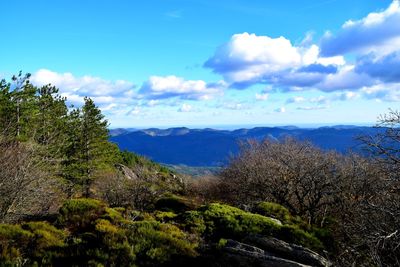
<point>274,210</point>
<point>80,213</point>
<point>13,244</point>
<point>45,235</point>
<point>155,243</point>
<point>193,222</point>
<point>293,234</point>
<point>164,216</point>
<point>230,222</point>
<point>32,242</point>
<point>217,221</point>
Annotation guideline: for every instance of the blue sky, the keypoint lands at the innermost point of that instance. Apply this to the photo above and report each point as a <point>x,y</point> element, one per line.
<point>207,63</point>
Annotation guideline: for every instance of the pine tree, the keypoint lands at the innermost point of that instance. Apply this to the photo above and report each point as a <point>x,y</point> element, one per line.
<point>88,151</point>
<point>6,108</point>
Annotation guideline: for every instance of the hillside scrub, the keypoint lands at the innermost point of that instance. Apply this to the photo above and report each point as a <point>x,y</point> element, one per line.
<point>87,231</point>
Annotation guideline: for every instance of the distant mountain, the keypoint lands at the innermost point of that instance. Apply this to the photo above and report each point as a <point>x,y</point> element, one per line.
<point>210,147</point>
<point>120,131</point>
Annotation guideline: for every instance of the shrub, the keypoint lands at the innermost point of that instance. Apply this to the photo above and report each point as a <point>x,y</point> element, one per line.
<point>13,242</point>
<point>45,235</point>
<point>293,234</point>
<point>80,213</point>
<point>274,210</point>
<point>193,222</point>
<point>226,221</point>
<point>155,243</point>
<point>217,221</point>
<point>165,216</point>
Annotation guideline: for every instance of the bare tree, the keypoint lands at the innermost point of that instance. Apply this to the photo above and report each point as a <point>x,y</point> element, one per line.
<point>292,173</point>
<point>25,189</point>
<point>379,213</point>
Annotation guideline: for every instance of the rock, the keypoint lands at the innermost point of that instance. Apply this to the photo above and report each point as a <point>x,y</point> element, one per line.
<point>246,255</point>
<point>292,252</point>
<point>127,172</point>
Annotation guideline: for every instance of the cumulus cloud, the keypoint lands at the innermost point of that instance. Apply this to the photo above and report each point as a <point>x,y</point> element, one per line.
<point>111,96</point>
<point>82,86</point>
<point>382,92</point>
<point>248,59</point>
<point>346,79</point>
<point>161,87</point>
<point>379,32</point>
<point>386,68</point>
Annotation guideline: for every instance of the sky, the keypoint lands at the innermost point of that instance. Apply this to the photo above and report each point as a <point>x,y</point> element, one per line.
<point>164,63</point>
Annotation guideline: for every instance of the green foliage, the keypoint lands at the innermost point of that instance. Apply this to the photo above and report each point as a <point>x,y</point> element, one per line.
<point>45,235</point>
<point>222,243</point>
<point>72,144</point>
<point>13,240</point>
<point>274,210</point>
<point>156,242</point>
<point>295,229</point>
<point>193,221</point>
<point>133,160</point>
<point>293,234</point>
<point>34,242</point>
<point>88,150</point>
<point>95,235</point>
<point>81,213</point>
<point>217,221</point>
<point>165,216</point>
<point>230,222</point>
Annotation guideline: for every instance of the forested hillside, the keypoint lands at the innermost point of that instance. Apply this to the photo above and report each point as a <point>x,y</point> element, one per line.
<point>211,147</point>
<point>69,197</point>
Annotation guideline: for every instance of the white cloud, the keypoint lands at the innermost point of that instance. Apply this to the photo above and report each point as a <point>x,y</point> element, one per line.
<point>345,79</point>
<point>185,108</point>
<point>382,92</point>
<point>378,32</point>
<point>248,59</point>
<point>83,86</point>
<point>159,87</point>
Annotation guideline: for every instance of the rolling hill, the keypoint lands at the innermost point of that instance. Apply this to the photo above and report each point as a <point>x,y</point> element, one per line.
<point>210,147</point>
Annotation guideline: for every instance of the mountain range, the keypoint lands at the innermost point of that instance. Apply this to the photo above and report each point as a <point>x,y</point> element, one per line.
<point>211,147</point>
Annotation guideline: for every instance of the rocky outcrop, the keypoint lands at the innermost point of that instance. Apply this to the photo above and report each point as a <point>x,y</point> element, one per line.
<point>289,251</point>
<point>127,172</point>
<point>270,252</point>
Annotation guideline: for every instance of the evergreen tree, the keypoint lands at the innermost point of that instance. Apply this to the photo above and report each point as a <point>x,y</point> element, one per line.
<point>5,109</point>
<point>88,150</point>
<point>51,118</point>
